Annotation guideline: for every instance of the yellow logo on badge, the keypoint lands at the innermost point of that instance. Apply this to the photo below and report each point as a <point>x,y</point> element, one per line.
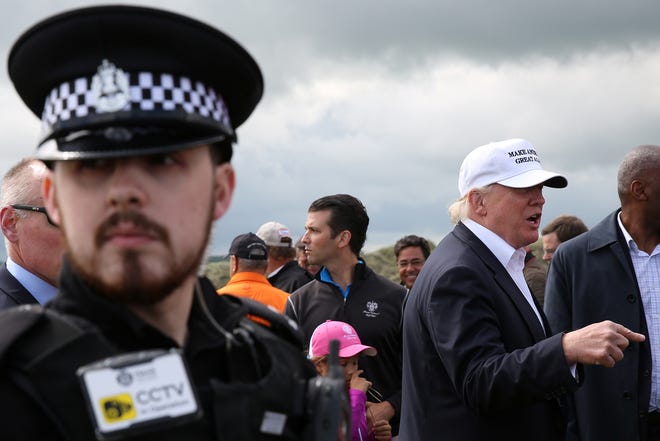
<point>117,408</point>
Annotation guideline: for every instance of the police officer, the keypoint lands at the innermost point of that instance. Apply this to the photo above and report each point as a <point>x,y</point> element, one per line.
<point>139,108</point>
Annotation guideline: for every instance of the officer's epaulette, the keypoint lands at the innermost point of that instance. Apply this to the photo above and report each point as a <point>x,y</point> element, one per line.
<point>17,322</point>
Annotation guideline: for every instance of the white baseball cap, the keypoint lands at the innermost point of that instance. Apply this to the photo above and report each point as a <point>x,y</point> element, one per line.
<point>275,234</point>
<point>512,163</point>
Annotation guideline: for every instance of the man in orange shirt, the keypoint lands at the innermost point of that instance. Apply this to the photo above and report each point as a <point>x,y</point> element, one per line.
<point>248,259</point>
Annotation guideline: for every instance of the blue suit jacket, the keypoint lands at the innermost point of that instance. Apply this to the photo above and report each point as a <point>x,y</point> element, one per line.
<point>12,293</point>
<point>591,279</point>
<point>476,362</point>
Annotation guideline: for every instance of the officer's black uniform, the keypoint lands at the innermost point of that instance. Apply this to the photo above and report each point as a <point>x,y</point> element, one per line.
<point>42,398</point>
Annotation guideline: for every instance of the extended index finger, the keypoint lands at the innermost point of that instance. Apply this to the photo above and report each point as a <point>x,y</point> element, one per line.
<point>630,335</point>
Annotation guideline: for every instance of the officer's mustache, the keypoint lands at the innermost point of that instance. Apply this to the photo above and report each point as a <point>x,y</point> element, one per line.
<point>139,221</point>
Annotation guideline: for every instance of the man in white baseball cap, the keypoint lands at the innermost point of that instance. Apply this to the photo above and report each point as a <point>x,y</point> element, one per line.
<point>283,271</point>
<point>479,358</point>
<point>512,163</point>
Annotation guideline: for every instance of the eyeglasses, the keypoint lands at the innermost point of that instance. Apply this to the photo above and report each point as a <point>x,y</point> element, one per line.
<point>414,263</point>
<point>34,208</point>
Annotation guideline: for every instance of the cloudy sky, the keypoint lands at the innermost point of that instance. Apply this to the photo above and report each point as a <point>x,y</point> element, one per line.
<point>383,99</point>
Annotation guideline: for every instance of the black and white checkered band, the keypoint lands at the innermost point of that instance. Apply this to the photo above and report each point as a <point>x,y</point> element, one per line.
<point>144,91</point>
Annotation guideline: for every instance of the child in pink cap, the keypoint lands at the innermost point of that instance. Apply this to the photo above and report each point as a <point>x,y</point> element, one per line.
<point>350,349</point>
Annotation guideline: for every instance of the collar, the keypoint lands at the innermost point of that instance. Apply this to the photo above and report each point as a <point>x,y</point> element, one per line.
<point>626,235</point>
<point>498,246</point>
<point>283,268</point>
<point>360,271</point>
<point>275,271</point>
<point>248,276</point>
<point>632,245</point>
<point>41,290</point>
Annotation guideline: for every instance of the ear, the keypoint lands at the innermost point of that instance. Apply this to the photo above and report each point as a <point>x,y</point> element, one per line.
<point>50,201</point>
<point>8,222</point>
<point>638,190</point>
<point>233,265</point>
<point>225,181</point>
<point>477,202</point>
<point>344,239</point>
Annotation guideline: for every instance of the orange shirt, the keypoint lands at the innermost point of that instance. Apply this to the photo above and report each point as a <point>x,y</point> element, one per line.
<point>256,287</point>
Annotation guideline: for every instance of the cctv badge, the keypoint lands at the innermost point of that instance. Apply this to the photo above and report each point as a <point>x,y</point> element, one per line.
<point>145,389</point>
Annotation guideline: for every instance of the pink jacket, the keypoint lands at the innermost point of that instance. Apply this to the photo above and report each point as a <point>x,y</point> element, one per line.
<point>359,428</point>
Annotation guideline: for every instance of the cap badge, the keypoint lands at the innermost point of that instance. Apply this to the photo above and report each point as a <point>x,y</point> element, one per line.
<point>110,88</point>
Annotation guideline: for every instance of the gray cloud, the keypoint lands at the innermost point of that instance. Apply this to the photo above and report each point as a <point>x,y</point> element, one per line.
<point>383,100</point>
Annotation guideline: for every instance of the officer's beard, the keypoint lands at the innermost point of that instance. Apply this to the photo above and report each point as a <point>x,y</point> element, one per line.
<point>134,285</point>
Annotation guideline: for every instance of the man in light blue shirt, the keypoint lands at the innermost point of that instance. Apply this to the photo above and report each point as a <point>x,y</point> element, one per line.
<point>612,272</point>
<point>33,243</point>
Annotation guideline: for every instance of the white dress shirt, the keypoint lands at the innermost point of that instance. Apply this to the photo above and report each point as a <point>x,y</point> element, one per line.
<point>511,259</point>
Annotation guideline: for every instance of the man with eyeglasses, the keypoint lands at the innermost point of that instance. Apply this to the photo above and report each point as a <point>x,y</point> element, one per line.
<point>411,252</point>
<point>33,243</point>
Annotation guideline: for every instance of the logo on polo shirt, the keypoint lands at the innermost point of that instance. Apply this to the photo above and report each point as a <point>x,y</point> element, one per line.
<point>372,308</point>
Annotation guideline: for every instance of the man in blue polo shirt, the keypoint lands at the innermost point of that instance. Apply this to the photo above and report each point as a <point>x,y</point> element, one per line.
<point>347,290</point>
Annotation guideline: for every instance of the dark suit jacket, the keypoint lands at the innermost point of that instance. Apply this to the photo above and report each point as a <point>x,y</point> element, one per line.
<point>290,277</point>
<point>476,363</point>
<point>12,293</point>
<point>591,279</point>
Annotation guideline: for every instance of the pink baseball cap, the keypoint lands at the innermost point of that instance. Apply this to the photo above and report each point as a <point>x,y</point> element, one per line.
<point>349,341</point>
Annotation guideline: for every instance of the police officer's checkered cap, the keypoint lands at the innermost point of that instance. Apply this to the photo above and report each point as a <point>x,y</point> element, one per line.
<point>184,77</point>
